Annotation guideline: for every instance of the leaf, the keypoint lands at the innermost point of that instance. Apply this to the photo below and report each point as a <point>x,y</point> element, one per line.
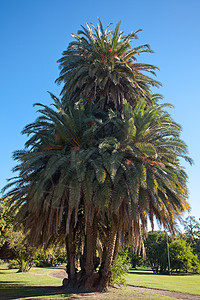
<point>147,149</point>
<point>131,129</point>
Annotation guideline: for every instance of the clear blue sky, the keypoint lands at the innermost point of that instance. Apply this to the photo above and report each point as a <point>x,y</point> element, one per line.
<point>35,32</point>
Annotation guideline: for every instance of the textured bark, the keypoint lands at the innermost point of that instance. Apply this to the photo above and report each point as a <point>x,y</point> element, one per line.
<point>71,252</point>
<point>96,260</point>
<point>105,271</point>
<point>116,247</point>
<point>89,265</point>
<point>111,247</point>
<point>88,278</point>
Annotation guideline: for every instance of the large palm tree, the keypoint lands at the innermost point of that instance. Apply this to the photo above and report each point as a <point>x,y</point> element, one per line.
<point>91,176</point>
<point>100,65</point>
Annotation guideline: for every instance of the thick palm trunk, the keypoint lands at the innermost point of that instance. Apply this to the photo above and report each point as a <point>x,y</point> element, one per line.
<point>105,272</point>
<point>96,260</point>
<point>90,278</point>
<point>111,248</point>
<point>89,265</point>
<point>70,245</point>
<point>71,256</point>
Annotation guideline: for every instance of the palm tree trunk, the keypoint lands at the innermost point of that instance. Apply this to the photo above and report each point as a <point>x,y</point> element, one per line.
<point>105,272</point>
<point>71,252</point>
<point>95,230</point>
<point>116,247</point>
<point>111,247</point>
<point>89,265</point>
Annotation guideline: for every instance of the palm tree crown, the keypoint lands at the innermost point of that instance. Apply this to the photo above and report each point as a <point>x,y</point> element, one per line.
<point>123,166</point>
<point>100,65</point>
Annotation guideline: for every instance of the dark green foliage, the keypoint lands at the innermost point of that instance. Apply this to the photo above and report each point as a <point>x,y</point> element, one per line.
<point>156,251</point>
<point>136,260</point>
<point>78,158</point>
<point>51,257</point>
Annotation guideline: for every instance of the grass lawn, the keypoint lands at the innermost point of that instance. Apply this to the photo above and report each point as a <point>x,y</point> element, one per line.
<point>37,283</point>
<point>187,283</point>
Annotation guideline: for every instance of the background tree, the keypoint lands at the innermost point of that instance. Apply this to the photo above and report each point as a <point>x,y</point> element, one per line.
<point>192,233</point>
<point>52,256</point>
<point>191,227</point>
<point>156,251</point>
<point>6,221</point>
<point>13,243</point>
<point>25,254</point>
<point>182,256</point>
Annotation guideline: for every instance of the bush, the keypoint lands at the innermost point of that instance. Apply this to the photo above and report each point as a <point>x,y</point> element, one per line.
<point>13,264</point>
<point>120,268</point>
<point>135,260</point>
<point>43,264</point>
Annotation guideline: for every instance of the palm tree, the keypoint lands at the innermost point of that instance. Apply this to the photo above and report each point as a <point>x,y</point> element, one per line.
<point>101,66</point>
<point>92,176</point>
<point>142,162</point>
<point>52,169</point>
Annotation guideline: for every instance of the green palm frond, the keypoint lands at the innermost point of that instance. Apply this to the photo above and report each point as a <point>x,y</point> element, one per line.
<point>121,164</point>
<point>101,63</point>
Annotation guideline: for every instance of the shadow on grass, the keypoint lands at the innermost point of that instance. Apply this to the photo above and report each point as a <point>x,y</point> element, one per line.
<point>140,272</point>
<point>12,290</point>
<point>150,272</point>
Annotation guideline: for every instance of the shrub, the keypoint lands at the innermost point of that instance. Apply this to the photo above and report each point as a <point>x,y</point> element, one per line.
<point>120,267</point>
<point>13,264</point>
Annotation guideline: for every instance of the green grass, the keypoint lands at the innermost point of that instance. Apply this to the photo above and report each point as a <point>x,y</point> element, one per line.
<point>185,283</point>
<point>37,283</point>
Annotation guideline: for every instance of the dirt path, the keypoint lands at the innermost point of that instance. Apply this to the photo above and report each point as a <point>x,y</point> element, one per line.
<point>175,295</point>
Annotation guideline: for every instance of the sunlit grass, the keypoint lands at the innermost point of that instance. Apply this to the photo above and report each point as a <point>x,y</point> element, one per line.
<point>38,283</point>
<point>187,283</point>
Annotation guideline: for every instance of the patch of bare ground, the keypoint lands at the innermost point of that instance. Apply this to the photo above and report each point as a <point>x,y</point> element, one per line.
<point>59,274</point>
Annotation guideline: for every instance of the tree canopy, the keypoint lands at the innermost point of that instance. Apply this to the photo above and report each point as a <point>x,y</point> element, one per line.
<point>102,161</point>
<point>100,65</point>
